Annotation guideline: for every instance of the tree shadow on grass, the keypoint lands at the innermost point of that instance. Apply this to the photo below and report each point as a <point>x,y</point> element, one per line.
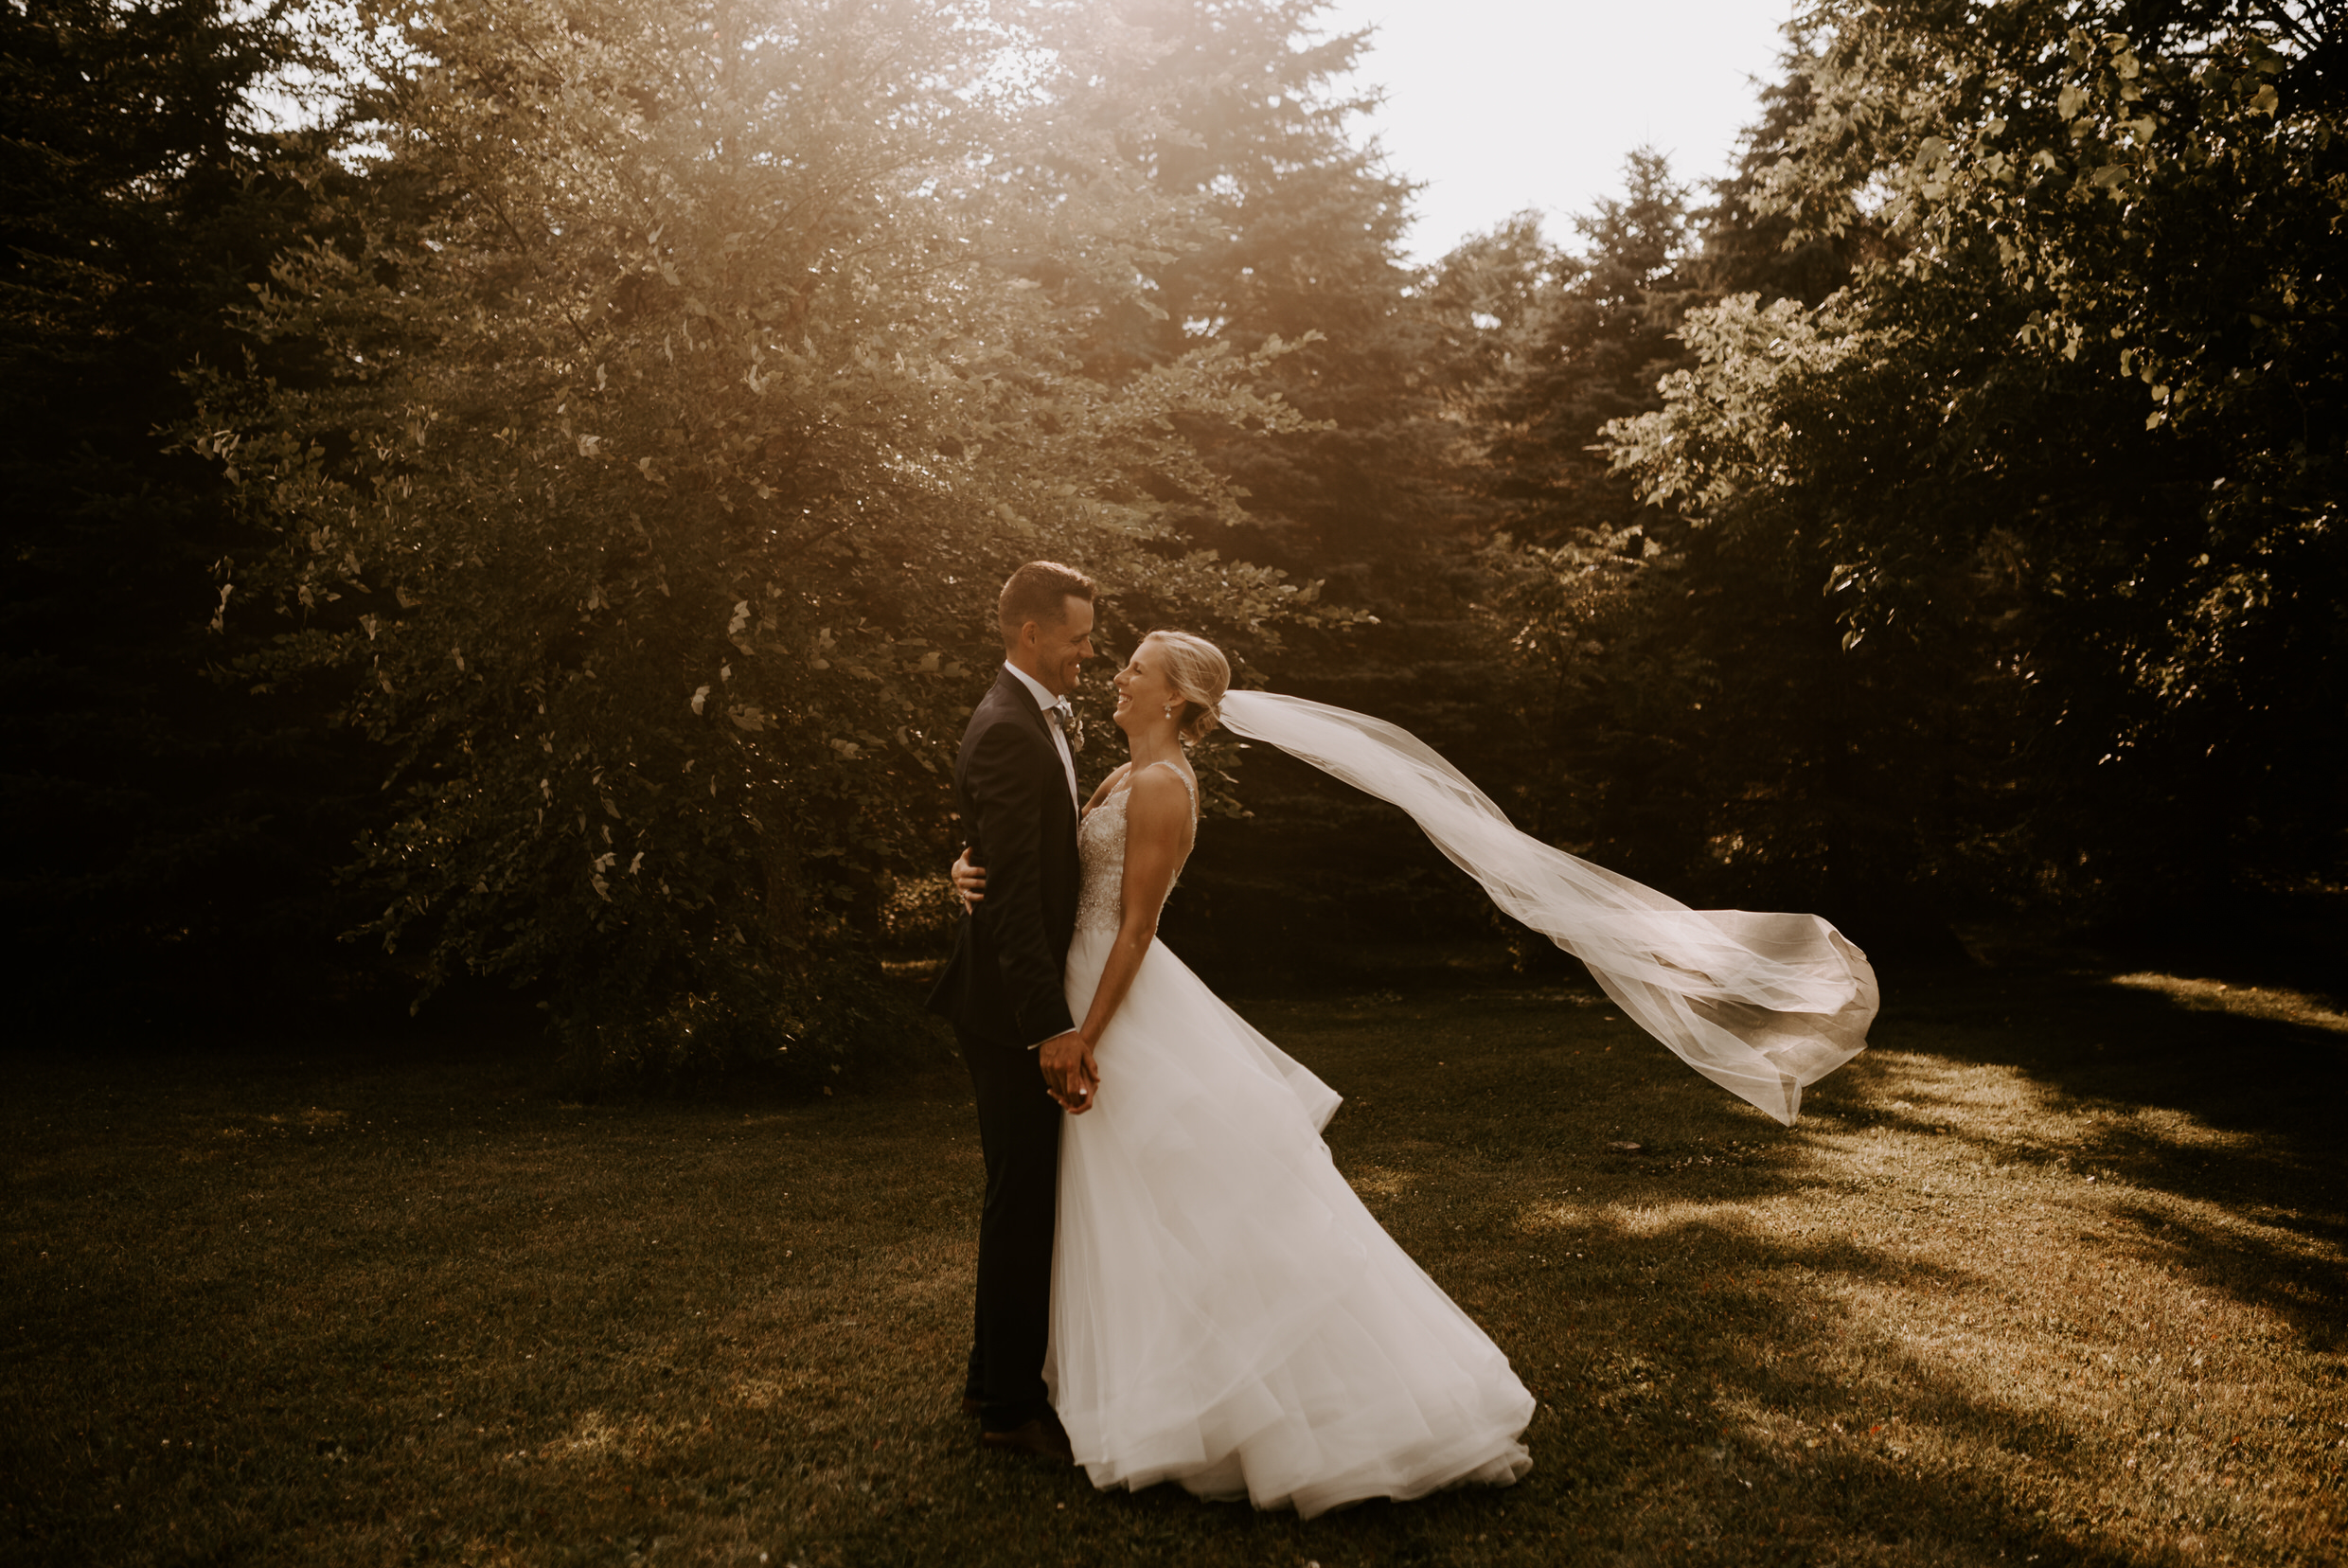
<point>1832,1438</point>
<point>2167,1095</point>
<point>444,1319</point>
<point>1720,1440</point>
<point>1911,1328</point>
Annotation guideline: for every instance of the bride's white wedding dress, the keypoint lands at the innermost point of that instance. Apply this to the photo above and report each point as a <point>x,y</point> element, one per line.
<point>1225,1312</point>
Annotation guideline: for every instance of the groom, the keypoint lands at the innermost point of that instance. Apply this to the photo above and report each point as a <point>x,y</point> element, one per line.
<point>1017,780</point>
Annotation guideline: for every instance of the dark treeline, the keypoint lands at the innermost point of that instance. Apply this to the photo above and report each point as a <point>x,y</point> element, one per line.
<point>540,521</point>
<point>159,821</point>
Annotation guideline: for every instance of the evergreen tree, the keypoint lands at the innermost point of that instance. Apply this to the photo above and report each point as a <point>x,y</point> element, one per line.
<point>1570,342</point>
<point>1291,236</point>
<point>159,820</point>
<point>1602,337</point>
<point>1752,241</point>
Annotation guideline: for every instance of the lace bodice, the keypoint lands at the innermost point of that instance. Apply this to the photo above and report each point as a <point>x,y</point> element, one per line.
<point>1100,857</point>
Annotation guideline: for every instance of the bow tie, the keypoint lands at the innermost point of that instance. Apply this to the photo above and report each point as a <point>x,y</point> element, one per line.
<point>1063,714</point>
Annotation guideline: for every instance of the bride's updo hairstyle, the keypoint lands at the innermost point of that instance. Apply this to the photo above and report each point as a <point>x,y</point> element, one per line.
<point>1200,675</point>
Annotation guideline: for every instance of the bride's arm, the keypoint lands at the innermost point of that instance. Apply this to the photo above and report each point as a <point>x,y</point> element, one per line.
<point>1158,830</point>
<point>1106,785</point>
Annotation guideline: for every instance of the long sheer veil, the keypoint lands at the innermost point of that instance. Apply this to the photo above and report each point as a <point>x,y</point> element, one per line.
<point>1762,1004</point>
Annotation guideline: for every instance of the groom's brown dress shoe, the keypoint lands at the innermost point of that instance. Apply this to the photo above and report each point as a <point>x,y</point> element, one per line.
<point>1041,1437</point>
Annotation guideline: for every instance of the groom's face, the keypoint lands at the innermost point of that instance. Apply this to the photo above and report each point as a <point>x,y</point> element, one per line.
<point>1062,647</point>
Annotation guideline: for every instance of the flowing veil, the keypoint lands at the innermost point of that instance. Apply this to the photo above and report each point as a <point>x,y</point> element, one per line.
<point>1762,1004</point>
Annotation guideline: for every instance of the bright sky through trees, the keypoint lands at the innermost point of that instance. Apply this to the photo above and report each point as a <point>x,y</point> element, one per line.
<point>1498,105</point>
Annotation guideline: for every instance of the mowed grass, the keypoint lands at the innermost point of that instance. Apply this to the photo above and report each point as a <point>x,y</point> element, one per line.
<point>2052,1274</point>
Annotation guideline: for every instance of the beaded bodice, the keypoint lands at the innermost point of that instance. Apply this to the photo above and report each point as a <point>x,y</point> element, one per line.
<point>1100,857</point>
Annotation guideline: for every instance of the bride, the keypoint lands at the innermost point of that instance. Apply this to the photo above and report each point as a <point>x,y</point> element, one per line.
<point>1225,1313</point>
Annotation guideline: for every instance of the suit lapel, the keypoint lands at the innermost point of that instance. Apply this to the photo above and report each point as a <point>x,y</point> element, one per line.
<point>1015,691</point>
<point>1011,688</point>
<point>1024,700</point>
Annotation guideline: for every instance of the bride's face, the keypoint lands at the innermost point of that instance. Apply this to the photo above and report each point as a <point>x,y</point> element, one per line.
<point>1144,693</point>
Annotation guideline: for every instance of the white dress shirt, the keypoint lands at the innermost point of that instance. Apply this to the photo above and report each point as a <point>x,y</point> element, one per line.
<point>1060,737</point>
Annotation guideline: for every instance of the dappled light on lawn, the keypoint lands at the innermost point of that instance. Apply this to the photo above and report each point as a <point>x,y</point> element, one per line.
<point>1962,1291</point>
<point>2053,1270</point>
<point>2276,1002</point>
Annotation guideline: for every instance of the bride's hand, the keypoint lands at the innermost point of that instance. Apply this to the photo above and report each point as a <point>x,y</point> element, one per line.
<point>970,881</point>
<point>1070,1075</point>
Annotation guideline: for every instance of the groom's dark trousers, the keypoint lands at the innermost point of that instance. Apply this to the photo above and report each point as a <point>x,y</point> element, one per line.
<point>1001,990</point>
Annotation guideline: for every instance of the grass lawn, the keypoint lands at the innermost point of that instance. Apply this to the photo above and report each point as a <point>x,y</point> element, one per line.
<point>2052,1274</point>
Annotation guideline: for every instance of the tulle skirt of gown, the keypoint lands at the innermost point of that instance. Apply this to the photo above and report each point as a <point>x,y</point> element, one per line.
<point>1225,1312</point>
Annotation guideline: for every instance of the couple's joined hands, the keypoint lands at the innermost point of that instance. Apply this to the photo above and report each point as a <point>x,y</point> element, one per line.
<point>1070,1074</point>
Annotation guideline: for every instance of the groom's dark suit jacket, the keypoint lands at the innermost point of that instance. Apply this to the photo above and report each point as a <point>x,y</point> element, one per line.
<point>1003,979</point>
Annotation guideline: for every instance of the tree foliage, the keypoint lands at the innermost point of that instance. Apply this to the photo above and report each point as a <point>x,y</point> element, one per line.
<point>158,820</point>
<point>640,405</point>
<point>1234,115</point>
<point>2067,464</point>
<point>682,426</point>
<point>1564,342</point>
<point>1596,331</point>
<point>1992,552</point>
<point>1294,224</point>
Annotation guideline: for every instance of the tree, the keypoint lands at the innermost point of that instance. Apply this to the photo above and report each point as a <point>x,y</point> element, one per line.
<point>1231,111</point>
<point>698,374</point>
<point>1602,337</point>
<point>2065,461</point>
<point>1285,228</point>
<point>1569,342</point>
<point>1700,729</point>
<point>1752,241</point>
<point>158,821</point>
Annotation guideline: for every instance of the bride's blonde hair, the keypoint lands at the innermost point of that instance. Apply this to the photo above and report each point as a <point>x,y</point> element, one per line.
<point>1200,675</point>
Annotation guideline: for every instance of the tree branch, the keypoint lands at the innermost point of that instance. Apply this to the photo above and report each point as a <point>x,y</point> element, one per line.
<point>524,246</point>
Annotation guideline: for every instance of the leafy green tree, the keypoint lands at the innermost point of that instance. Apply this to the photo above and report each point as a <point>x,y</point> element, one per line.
<point>699,373</point>
<point>1697,724</point>
<point>2064,461</point>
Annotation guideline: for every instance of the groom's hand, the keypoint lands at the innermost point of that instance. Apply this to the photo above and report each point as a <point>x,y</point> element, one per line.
<point>969,880</point>
<point>1070,1075</point>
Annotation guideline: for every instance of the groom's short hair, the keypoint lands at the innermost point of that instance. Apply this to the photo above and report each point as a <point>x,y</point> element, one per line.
<point>1040,592</point>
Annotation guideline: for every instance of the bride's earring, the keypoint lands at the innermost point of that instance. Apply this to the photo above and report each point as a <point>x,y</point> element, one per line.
<point>1167,710</point>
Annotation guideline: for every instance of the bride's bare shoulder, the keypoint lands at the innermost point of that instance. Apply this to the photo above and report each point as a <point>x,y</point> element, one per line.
<point>1159,792</point>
